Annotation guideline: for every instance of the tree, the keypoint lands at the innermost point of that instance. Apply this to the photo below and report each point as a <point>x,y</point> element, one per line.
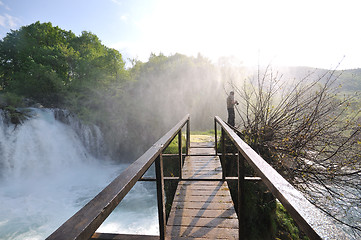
<point>308,132</point>
<point>48,64</point>
<point>34,61</point>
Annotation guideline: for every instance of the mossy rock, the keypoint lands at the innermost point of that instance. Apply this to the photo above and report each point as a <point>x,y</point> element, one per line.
<point>16,116</point>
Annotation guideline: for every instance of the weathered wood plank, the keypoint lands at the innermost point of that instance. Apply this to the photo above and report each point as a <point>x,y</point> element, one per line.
<point>202,232</point>
<point>204,198</point>
<point>198,191</point>
<point>217,222</point>
<point>202,209</point>
<point>202,151</point>
<point>201,205</point>
<point>202,144</point>
<point>208,213</point>
<point>201,183</point>
<point>202,167</point>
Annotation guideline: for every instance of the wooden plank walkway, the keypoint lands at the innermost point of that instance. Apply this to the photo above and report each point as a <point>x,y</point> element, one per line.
<point>202,209</point>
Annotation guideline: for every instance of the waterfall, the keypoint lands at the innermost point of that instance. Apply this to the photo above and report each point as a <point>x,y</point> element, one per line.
<point>90,135</point>
<point>51,166</point>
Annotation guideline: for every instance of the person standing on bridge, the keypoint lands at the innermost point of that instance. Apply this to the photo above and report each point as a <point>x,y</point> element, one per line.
<point>230,108</point>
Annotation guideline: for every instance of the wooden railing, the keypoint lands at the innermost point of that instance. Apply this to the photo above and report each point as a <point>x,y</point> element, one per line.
<point>87,220</point>
<point>315,223</point>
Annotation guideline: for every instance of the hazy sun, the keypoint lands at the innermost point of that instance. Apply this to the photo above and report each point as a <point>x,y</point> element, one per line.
<point>279,31</point>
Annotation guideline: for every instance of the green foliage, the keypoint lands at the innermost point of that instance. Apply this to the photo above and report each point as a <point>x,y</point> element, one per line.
<point>172,148</point>
<point>10,102</point>
<point>95,64</point>
<point>259,210</point>
<point>287,228</point>
<point>34,61</point>
<point>53,66</point>
<point>11,99</point>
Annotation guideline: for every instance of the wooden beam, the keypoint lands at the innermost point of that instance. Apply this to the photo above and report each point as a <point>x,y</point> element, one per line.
<point>152,179</point>
<point>111,236</point>
<point>160,196</point>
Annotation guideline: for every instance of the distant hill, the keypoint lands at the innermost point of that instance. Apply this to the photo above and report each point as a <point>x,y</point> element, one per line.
<point>350,80</point>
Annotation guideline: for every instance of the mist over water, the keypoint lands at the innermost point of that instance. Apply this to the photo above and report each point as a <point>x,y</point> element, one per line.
<point>47,173</point>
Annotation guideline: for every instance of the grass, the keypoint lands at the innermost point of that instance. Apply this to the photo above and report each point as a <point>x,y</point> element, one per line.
<point>207,132</point>
<point>173,146</point>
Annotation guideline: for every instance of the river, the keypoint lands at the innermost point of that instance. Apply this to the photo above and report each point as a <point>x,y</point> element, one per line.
<point>49,170</point>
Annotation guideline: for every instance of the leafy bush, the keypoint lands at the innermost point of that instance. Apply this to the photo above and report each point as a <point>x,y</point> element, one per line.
<point>11,99</point>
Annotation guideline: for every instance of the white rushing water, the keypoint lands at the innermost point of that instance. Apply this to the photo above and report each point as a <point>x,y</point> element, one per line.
<point>47,174</point>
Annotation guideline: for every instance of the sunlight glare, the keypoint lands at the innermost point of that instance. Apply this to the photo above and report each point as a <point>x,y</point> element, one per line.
<point>279,32</point>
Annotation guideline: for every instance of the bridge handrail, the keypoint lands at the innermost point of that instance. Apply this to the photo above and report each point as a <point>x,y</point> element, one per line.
<point>87,220</point>
<point>315,223</point>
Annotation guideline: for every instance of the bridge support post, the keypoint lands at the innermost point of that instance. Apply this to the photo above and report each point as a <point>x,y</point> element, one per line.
<point>240,192</point>
<point>180,154</point>
<point>223,159</point>
<point>188,133</point>
<point>160,196</point>
<point>215,136</point>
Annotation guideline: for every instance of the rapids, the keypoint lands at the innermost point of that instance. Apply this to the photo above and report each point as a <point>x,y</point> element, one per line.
<point>49,169</point>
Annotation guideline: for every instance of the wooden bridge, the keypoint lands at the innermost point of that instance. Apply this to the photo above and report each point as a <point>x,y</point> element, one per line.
<point>202,207</point>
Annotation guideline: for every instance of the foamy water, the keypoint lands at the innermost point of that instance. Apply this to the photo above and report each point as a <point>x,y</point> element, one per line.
<point>47,174</point>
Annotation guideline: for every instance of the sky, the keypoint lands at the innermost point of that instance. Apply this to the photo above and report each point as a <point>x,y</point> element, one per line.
<point>315,33</point>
